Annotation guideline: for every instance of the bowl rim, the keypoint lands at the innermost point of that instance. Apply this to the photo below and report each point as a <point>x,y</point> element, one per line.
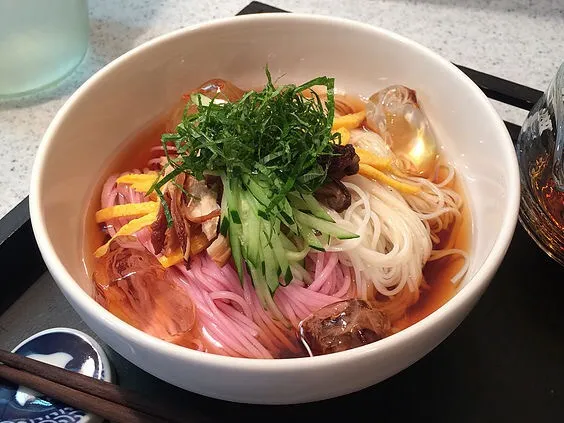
<point>470,292</point>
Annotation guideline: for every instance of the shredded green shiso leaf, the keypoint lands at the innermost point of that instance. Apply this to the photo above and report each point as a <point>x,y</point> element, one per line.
<point>276,134</point>
<point>265,147</point>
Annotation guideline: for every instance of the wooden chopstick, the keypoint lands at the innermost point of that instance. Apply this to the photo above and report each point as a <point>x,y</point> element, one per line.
<point>104,399</point>
<point>106,409</point>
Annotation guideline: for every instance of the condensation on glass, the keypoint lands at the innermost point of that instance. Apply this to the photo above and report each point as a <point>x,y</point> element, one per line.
<point>41,42</point>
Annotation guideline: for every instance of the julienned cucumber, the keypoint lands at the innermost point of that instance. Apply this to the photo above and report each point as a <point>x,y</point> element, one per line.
<point>231,193</point>
<point>224,220</point>
<point>280,255</point>
<point>257,238</point>
<point>263,195</point>
<point>323,226</point>
<point>307,202</point>
<point>251,227</point>
<point>270,269</point>
<point>307,233</point>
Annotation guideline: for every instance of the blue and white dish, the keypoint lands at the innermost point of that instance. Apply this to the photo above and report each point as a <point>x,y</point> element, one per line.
<point>63,347</point>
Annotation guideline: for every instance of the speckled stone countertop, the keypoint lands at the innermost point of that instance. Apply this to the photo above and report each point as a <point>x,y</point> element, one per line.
<point>521,40</point>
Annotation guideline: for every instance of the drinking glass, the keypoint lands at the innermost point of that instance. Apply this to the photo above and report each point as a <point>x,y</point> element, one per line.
<point>540,151</point>
<point>41,41</point>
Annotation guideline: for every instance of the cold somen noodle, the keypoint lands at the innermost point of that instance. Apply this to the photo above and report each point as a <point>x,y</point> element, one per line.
<point>253,259</point>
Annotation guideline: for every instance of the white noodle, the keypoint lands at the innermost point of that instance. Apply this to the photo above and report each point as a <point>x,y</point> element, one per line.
<point>438,254</point>
<point>394,244</point>
<point>396,232</point>
<point>448,178</point>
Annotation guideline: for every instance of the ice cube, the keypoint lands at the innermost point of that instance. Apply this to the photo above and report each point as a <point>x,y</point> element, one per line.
<point>341,326</point>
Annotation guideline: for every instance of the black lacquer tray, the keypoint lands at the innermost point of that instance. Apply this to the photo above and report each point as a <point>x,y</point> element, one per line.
<point>505,363</point>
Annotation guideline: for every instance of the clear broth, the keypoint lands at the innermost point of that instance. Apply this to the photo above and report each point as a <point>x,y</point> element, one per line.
<point>136,153</point>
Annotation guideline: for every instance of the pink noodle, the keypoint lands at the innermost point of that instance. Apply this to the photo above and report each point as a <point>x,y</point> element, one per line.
<point>308,296</point>
<point>108,199</point>
<point>269,332</point>
<point>225,307</point>
<point>231,318</point>
<point>324,273</point>
<point>328,286</point>
<point>275,328</point>
<point>272,343</point>
<point>213,334</point>
<point>292,302</point>
<point>226,295</point>
<point>108,192</point>
<point>239,336</point>
<point>226,280</point>
<point>222,275</point>
<point>208,322</point>
<point>204,282</point>
<point>265,322</point>
<point>346,285</point>
<point>236,335</point>
<point>286,309</point>
<point>319,262</point>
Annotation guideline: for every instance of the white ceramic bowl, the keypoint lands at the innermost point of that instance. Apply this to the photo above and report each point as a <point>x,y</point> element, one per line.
<point>132,90</point>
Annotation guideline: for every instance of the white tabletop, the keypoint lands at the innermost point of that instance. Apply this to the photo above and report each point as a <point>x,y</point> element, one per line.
<point>521,40</point>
